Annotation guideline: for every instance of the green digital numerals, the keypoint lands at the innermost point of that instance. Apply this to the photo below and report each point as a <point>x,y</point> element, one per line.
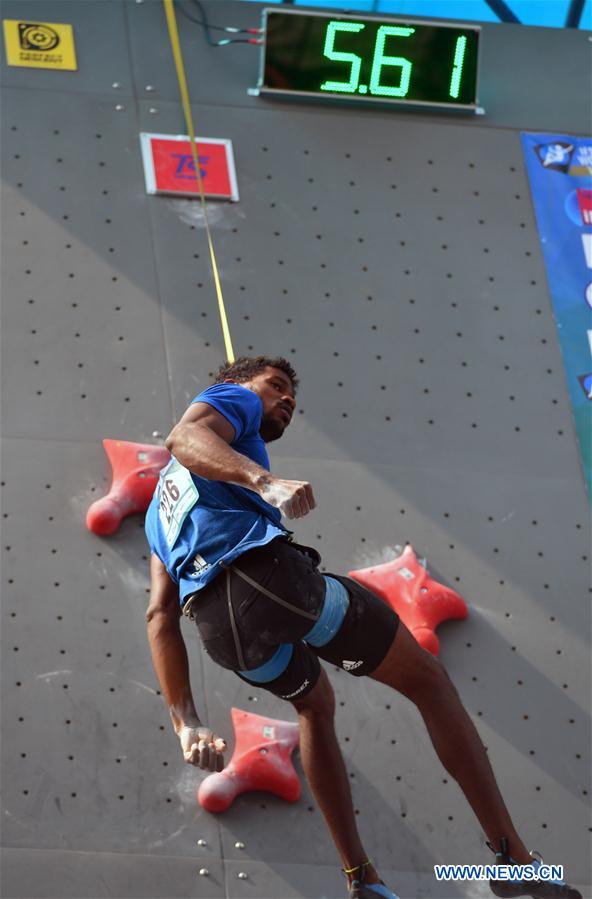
<point>459,58</point>
<point>380,60</point>
<point>342,87</point>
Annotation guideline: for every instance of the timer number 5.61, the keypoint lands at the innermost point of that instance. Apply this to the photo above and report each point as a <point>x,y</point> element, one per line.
<point>381,60</point>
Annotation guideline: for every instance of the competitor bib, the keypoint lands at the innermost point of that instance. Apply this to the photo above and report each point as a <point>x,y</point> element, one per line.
<point>178,495</point>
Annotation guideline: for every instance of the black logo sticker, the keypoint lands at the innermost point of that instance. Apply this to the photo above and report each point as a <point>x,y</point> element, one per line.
<point>37,37</point>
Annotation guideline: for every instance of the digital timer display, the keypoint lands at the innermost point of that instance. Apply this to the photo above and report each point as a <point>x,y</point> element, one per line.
<point>318,54</point>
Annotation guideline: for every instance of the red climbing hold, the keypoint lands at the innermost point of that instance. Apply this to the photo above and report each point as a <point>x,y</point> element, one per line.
<point>261,761</point>
<point>135,468</point>
<point>420,601</point>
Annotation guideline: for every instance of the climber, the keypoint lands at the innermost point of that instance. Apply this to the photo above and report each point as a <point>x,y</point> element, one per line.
<point>222,556</point>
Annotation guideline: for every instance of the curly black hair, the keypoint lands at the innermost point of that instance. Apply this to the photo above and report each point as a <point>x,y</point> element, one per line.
<point>246,367</point>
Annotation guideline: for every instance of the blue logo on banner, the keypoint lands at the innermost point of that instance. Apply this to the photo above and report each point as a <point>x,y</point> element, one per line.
<point>586,382</point>
<point>556,155</point>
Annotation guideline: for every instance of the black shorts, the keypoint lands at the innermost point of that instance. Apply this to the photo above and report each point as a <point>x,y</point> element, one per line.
<point>260,625</point>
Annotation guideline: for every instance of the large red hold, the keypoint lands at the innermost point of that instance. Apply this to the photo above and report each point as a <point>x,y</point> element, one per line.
<point>420,601</point>
<point>135,468</point>
<point>262,760</point>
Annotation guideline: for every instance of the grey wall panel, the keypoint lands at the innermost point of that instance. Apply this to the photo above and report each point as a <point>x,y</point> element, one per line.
<point>79,285</point>
<point>76,875</point>
<point>393,257</point>
<point>81,710</point>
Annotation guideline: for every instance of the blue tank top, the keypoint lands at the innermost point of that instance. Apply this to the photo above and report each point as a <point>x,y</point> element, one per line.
<point>193,524</point>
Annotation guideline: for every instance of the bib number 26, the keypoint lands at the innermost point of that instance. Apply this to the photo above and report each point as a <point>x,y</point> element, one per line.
<point>178,495</point>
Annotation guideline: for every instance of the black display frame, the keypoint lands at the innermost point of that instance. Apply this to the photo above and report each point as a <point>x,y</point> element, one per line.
<point>359,99</point>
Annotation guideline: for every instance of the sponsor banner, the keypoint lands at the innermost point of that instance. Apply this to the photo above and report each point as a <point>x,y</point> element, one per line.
<point>560,173</point>
<point>39,45</point>
<point>169,166</point>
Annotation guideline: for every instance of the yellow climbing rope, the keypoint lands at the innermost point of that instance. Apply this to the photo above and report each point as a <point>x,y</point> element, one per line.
<point>180,67</point>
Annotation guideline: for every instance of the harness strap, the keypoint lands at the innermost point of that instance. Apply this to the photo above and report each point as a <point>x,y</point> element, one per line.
<point>278,599</point>
<point>237,644</point>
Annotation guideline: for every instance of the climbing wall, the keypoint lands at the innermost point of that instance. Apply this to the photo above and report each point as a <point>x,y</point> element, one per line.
<point>393,258</point>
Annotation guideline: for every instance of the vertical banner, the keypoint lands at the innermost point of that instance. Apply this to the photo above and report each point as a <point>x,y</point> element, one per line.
<point>560,172</point>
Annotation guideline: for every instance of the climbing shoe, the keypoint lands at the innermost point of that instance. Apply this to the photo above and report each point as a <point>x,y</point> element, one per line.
<point>537,889</point>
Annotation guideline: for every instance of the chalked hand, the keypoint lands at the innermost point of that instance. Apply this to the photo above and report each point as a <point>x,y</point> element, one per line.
<point>202,748</point>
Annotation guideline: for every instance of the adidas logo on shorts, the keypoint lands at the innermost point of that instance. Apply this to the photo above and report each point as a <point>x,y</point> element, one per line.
<point>349,666</point>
